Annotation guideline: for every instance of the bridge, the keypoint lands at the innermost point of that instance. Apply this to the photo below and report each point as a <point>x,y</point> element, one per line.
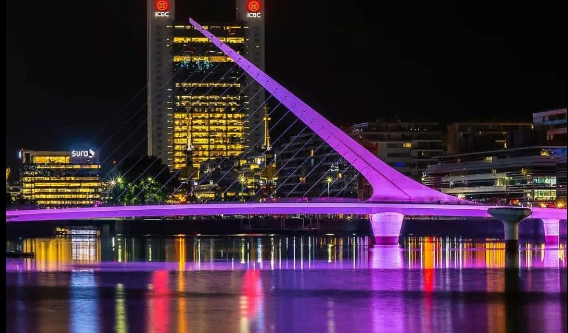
<point>394,195</point>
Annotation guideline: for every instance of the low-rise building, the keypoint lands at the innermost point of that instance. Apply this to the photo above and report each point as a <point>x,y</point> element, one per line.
<point>466,137</point>
<point>529,176</point>
<point>408,147</point>
<point>61,178</point>
<point>555,122</point>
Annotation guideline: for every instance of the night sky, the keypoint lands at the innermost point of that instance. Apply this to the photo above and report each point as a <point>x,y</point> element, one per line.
<point>71,67</point>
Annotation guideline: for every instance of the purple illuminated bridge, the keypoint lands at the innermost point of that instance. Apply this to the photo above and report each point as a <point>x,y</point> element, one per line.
<point>394,195</point>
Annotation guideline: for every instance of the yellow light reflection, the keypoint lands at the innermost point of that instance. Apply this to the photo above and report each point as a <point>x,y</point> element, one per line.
<point>182,307</point>
<point>49,254</point>
<point>562,252</point>
<point>180,252</point>
<point>120,310</point>
<point>494,254</point>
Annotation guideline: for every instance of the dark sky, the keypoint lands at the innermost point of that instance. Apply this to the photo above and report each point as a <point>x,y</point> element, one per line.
<point>71,67</point>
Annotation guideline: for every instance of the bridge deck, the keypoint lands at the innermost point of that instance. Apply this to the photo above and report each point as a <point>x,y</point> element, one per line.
<point>118,212</point>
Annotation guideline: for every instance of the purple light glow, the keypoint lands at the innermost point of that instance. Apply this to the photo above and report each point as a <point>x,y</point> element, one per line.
<point>388,184</point>
<point>282,208</point>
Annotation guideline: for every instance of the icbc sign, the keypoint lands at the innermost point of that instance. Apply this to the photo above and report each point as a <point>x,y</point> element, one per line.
<point>253,8</point>
<point>162,7</point>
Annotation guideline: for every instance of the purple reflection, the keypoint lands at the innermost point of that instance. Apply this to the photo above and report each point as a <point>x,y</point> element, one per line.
<point>430,285</point>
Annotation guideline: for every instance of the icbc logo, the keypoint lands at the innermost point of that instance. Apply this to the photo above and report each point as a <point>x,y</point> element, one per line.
<point>253,8</point>
<point>162,5</point>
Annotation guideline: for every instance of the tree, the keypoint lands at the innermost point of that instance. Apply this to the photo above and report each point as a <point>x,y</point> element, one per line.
<point>142,180</point>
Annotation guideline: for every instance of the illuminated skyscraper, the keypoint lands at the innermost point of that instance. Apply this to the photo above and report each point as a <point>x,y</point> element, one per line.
<point>251,14</point>
<point>159,71</point>
<point>201,106</point>
<point>208,98</point>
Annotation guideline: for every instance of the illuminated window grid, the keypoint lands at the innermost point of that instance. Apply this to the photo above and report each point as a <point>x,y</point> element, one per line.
<point>213,58</point>
<point>220,105</point>
<point>208,27</point>
<point>208,97</point>
<point>64,190</point>
<point>207,85</point>
<point>212,135</point>
<point>65,202</point>
<point>50,159</point>
<point>68,166</point>
<point>59,179</point>
<point>228,40</point>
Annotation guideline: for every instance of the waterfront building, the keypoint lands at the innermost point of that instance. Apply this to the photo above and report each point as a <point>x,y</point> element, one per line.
<point>408,147</point>
<point>464,137</point>
<point>554,121</point>
<point>528,176</point>
<point>61,178</point>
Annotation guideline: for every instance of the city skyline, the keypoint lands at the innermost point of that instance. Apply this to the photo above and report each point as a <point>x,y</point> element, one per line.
<point>53,119</point>
<point>255,166</point>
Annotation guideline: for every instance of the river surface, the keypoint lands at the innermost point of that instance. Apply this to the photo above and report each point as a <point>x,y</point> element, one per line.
<point>282,284</point>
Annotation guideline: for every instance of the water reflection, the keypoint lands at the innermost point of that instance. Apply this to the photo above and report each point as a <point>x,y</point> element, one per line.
<point>83,297</point>
<point>432,252</point>
<point>282,284</point>
<point>309,252</point>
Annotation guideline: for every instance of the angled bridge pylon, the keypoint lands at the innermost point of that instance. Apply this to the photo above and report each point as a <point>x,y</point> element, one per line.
<point>388,184</point>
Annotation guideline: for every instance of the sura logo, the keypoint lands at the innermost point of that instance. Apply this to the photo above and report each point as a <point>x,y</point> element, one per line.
<point>83,153</point>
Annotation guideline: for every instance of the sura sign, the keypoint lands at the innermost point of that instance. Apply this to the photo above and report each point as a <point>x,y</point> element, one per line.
<point>83,153</point>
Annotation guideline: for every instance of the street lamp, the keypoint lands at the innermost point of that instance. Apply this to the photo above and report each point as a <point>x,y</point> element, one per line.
<point>242,181</point>
<point>328,180</point>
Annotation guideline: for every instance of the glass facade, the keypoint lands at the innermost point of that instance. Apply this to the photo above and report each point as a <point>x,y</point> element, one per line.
<point>209,103</point>
<point>532,176</point>
<point>60,178</point>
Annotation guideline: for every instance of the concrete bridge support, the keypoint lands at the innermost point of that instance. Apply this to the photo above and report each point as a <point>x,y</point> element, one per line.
<point>551,230</point>
<point>386,227</point>
<point>511,218</point>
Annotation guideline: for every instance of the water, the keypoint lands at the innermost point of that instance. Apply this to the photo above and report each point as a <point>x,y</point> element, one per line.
<point>282,284</point>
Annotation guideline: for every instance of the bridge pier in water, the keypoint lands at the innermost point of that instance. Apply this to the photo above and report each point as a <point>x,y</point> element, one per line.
<point>386,227</point>
<point>511,218</point>
<point>551,230</point>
